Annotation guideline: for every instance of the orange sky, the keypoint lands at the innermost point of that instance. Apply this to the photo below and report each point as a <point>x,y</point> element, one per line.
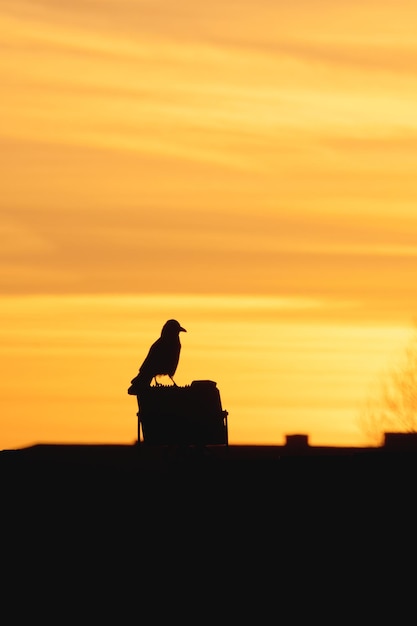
<point>259,149</point>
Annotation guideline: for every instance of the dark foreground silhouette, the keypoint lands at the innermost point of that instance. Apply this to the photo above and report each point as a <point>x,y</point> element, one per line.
<point>116,528</point>
<point>269,475</point>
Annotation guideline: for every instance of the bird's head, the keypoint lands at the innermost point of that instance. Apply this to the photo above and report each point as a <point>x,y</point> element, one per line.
<point>172,327</point>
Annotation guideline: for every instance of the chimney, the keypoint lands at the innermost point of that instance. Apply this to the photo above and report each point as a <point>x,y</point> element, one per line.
<point>297,442</point>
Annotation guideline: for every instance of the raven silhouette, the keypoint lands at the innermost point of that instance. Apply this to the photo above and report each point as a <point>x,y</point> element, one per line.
<point>162,358</point>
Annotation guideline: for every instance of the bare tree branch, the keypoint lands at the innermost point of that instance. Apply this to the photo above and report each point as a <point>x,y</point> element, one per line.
<point>393,407</point>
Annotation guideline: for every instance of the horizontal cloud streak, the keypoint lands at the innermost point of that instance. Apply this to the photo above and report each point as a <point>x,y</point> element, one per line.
<point>271,150</point>
<point>87,252</point>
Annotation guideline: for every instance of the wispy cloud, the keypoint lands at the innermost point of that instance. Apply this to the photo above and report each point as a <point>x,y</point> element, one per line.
<point>257,149</point>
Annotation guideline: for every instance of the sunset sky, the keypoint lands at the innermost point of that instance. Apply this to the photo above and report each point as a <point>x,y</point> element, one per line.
<point>246,167</point>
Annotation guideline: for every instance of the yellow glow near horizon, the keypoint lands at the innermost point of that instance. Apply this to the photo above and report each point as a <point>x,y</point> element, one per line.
<point>67,363</point>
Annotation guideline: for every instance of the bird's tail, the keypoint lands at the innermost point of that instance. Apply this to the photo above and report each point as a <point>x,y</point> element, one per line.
<point>139,383</point>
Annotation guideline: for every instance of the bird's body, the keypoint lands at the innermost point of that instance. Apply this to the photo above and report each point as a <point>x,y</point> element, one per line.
<point>163,356</point>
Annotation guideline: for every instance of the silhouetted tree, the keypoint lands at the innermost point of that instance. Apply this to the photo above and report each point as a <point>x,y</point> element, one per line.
<point>393,408</point>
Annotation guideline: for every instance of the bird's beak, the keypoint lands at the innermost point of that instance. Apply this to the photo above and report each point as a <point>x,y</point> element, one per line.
<point>182,329</point>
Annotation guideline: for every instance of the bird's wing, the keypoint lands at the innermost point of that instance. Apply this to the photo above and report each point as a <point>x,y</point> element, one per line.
<point>151,363</point>
<point>162,358</point>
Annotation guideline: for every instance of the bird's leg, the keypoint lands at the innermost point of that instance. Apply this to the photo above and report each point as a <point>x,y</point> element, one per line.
<point>156,382</point>
<point>175,384</point>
